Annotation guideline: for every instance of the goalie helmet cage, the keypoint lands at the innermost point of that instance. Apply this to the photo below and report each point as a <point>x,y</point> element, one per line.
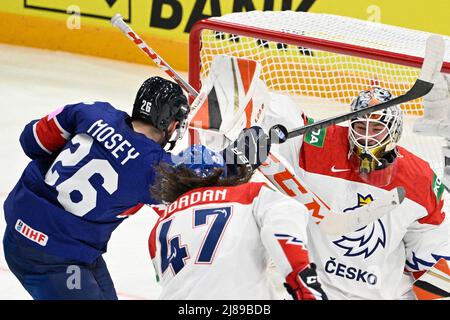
<point>322,61</point>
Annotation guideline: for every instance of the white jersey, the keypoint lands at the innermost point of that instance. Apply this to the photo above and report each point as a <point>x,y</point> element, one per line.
<point>376,261</point>
<point>215,243</point>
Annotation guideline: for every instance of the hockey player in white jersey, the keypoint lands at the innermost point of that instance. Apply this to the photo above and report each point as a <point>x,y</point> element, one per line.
<point>348,167</point>
<point>215,237</point>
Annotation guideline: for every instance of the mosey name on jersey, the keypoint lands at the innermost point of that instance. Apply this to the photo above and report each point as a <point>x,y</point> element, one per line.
<point>115,142</point>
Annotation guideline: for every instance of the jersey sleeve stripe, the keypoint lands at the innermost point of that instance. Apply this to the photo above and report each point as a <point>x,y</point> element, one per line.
<point>64,133</point>
<point>294,250</point>
<point>131,211</point>
<point>36,137</point>
<point>152,240</point>
<point>49,134</point>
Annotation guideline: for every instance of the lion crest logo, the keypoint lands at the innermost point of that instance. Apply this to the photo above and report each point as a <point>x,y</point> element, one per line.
<point>364,241</point>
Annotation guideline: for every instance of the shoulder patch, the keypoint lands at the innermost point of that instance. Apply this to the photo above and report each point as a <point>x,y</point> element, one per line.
<point>316,137</point>
<point>438,187</point>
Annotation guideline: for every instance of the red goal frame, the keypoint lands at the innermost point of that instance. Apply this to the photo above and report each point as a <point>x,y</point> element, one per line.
<point>292,39</point>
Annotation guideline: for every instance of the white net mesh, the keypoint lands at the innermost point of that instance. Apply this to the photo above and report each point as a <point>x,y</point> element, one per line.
<point>322,81</point>
<point>337,28</point>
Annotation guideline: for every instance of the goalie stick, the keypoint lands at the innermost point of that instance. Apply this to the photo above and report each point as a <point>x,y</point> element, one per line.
<point>339,223</point>
<point>419,89</point>
<point>434,54</point>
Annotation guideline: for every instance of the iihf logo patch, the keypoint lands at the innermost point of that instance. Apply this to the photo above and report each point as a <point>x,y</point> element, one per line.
<point>364,241</point>
<point>30,233</point>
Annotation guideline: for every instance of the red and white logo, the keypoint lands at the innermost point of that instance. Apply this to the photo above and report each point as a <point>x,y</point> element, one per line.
<point>30,233</point>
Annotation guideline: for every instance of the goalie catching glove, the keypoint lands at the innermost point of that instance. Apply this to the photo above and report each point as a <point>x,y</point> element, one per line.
<point>251,149</point>
<point>304,285</point>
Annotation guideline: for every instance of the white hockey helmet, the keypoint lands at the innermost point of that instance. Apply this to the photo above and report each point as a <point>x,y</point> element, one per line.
<point>373,138</point>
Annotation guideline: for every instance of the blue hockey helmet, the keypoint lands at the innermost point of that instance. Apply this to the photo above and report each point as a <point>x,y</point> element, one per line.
<point>201,160</point>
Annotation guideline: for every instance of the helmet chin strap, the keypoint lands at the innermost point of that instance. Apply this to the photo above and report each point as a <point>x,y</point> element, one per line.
<point>167,144</point>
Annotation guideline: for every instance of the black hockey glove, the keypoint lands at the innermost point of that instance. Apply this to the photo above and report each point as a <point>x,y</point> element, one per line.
<point>251,149</point>
<point>304,285</point>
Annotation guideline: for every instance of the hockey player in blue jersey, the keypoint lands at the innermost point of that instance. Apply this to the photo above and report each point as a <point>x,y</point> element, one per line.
<point>91,168</point>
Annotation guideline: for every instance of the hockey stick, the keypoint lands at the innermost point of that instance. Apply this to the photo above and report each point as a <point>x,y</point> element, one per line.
<point>434,54</point>
<point>118,22</point>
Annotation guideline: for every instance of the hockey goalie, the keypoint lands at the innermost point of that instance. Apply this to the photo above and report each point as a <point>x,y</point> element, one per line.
<point>347,168</point>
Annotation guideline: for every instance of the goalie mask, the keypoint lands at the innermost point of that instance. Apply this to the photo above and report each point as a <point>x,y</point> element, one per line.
<point>373,138</point>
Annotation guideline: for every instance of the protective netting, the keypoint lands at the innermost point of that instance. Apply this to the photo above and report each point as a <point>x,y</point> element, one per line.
<point>322,81</point>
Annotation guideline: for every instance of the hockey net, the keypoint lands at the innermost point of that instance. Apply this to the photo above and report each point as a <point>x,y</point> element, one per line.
<point>322,61</point>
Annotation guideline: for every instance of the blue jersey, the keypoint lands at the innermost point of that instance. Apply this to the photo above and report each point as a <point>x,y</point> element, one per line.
<point>89,171</point>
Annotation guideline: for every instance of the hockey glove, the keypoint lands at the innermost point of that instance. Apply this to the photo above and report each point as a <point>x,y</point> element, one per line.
<point>250,149</point>
<point>304,285</point>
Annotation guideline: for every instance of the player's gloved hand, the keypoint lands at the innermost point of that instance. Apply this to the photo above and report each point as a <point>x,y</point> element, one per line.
<point>304,285</point>
<point>250,148</point>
